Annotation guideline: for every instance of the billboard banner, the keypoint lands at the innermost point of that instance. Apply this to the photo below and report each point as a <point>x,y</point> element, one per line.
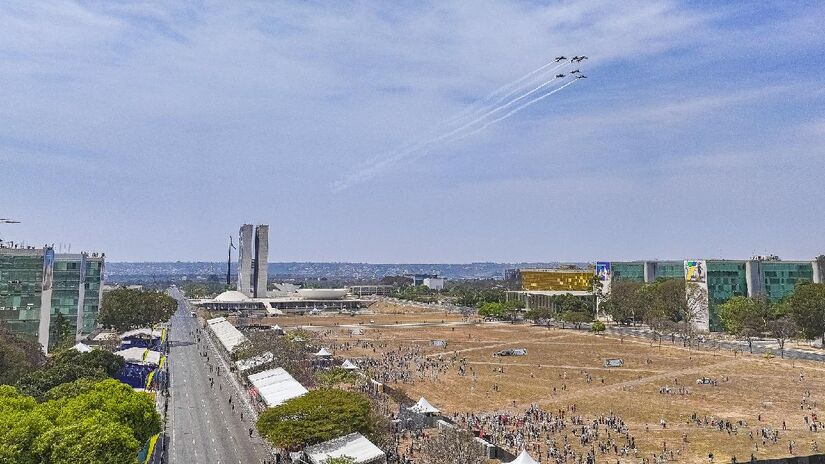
<point>603,271</point>
<point>696,271</point>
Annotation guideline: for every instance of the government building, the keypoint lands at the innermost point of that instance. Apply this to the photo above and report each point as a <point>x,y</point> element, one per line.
<point>37,284</point>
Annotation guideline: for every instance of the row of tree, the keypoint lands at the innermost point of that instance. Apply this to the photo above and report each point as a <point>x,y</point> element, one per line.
<point>566,308</point>
<point>801,314</point>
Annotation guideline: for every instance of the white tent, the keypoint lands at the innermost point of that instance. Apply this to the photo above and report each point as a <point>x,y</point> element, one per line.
<point>230,337</point>
<point>276,386</point>
<point>349,365</point>
<point>424,407</point>
<point>523,458</point>
<point>82,347</point>
<point>354,446</point>
<point>139,355</point>
<point>323,353</point>
<point>277,329</point>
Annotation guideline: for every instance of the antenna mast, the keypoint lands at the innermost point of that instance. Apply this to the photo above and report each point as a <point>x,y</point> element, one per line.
<point>229,262</point>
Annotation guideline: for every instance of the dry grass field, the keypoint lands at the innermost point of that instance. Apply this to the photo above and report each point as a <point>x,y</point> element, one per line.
<point>565,367</point>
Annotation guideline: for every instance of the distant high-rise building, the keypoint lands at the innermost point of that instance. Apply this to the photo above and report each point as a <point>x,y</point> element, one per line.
<point>261,260</point>
<point>36,285</point>
<point>245,239</point>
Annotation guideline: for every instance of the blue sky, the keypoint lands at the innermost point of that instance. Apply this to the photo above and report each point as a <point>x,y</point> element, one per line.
<point>151,132</point>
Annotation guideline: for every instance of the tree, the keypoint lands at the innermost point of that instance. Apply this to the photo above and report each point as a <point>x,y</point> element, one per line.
<point>62,333</point>
<point>493,310</point>
<point>577,318</point>
<point>807,308</point>
<point>745,317</point>
<point>624,304</point>
<point>598,327</point>
<point>315,417</point>
<point>287,352</point>
<point>69,366</point>
<point>18,355</point>
<point>97,423</point>
<point>96,439</point>
<point>458,445</point>
<point>514,308</point>
<point>783,329</point>
<point>335,377</point>
<point>668,299</point>
<point>540,315</point>
<point>124,308</point>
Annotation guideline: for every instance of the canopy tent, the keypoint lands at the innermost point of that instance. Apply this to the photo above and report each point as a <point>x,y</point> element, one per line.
<point>323,353</point>
<point>82,347</point>
<point>276,386</point>
<point>136,355</point>
<point>354,446</point>
<point>424,407</point>
<point>278,330</point>
<point>349,365</point>
<point>523,458</point>
<point>230,337</point>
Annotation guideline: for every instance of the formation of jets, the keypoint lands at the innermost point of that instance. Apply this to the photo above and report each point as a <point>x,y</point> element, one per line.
<point>575,59</point>
<point>580,76</point>
<point>9,221</point>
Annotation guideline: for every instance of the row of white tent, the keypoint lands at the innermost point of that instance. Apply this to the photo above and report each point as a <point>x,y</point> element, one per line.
<point>230,337</point>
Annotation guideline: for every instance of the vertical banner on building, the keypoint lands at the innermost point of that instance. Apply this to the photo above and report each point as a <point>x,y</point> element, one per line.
<point>46,298</point>
<point>696,293</point>
<point>604,276</point>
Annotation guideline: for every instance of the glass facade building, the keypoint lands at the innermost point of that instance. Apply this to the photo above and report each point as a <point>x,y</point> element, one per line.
<point>21,278</point>
<point>632,271</point>
<point>39,288</point>
<point>779,278</point>
<point>725,279</point>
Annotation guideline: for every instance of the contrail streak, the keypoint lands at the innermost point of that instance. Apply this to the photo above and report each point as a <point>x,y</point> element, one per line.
<point>514,111</point>
<point>487,107</point>
<point>509,103</point>
<point>374,168</point>
<point>472,112</point>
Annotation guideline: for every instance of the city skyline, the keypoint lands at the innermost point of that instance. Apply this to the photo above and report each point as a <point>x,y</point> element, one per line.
<point>150,132</point>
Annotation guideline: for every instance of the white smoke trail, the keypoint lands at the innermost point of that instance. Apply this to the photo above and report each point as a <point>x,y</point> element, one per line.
<point>519,87</point>
<point>509,103</point>
<point>519,83</point>
<point>514,111</point>
<point>373,167</point>
<point>490,123</point>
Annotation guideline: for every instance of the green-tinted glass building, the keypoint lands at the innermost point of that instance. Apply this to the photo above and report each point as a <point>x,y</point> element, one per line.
<point>633,271</point>
<point>42,292</point>
<point>724,279</point>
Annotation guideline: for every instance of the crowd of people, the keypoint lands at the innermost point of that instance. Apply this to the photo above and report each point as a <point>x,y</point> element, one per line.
<point>561,436</point>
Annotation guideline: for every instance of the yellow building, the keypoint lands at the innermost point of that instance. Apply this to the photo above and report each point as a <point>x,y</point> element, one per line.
<point>556,280</point>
